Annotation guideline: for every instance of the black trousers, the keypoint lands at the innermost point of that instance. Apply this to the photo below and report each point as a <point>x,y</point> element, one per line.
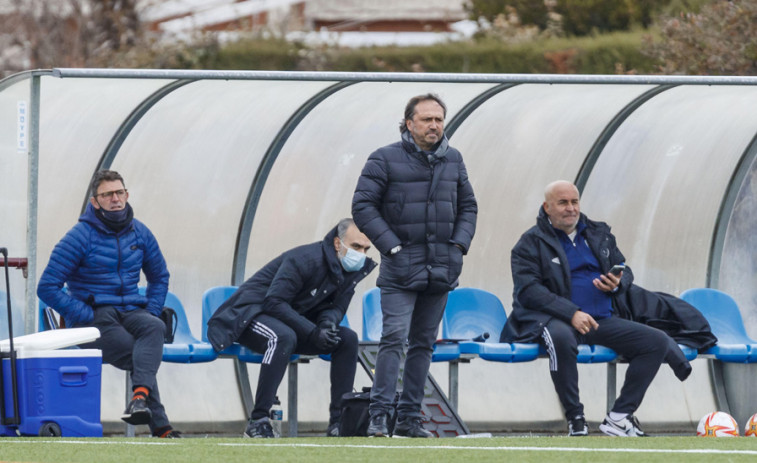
<point>277,342</point>
<point>133,341</point>
<point>644,347</point>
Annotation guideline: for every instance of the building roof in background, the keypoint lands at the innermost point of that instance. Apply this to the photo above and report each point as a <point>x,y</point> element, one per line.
<point>182,16</point>
<point>398,10</point>
<point>352,23</point>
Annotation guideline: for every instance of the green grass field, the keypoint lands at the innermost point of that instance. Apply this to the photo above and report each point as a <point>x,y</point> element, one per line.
<point>335,450</point>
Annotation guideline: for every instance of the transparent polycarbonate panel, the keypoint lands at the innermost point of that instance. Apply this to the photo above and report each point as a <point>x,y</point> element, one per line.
<point>515,144</point>
<point>78,119</point>
<point>662,178</point>
<point>14,160</point>
<point>189,165</point>
<point>311,184</point>
<point>738,265</point>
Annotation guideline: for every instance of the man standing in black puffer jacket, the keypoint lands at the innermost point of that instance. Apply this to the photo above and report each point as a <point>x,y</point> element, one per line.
<point>414,202</point>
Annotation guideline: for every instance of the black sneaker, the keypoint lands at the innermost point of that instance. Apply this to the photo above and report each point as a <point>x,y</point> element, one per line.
<point>625,427</point>
<point>259,429</point>
<point>377,427</point>
<point>172,434</point>
<point>577,426</point>
<point>137,412</point>
<point>411,427</point>
<point>333,430</point>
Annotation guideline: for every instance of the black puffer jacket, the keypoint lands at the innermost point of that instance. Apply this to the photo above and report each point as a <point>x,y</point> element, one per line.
<point>303,287</point>
<point>427,207</point>
<point>541,276</point>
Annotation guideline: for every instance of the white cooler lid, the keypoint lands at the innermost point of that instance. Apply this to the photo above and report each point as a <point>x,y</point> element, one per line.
<point>53,339</point>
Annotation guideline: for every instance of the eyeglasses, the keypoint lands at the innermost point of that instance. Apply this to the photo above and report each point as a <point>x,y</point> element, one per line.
<point>120,193</point>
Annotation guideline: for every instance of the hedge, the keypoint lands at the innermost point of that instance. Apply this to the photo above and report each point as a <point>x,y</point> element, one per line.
<point>602,54</point>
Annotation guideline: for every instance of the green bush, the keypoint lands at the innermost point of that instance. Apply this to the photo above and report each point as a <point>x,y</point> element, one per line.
<point>259,54</point>
<point>577,17</point>
<point>603,54</point>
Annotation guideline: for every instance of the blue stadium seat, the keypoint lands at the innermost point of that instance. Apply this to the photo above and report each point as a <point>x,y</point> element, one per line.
<point>472,312</point>
<point>689,352</point>
<point>185,348</point>
<point>372,323</point>
<point>722,312</point>
<point>211,300</point>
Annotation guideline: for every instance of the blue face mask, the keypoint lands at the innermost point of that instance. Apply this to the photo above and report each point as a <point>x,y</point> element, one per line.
<point>353,260</point>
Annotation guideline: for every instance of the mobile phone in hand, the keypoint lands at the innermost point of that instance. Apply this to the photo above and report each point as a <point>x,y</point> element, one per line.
<point>616,269</point>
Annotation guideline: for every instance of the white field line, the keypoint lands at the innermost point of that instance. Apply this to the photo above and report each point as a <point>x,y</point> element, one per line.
<point>519,449</point>
<point>402,447</point>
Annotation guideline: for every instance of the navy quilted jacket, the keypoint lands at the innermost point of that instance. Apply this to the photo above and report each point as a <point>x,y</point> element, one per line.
<point>427,207</point>
<point>541,276</point>
<point>101,267</point>
<point>303,287</point>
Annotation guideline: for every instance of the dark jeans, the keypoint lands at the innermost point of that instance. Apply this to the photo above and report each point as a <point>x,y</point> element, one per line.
<point>133,341</point>
<point>644,347</point>
<point>411,317</point>
<point>277,342</point>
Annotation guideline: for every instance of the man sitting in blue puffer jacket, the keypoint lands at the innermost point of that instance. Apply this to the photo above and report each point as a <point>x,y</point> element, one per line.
<point>100,260</point>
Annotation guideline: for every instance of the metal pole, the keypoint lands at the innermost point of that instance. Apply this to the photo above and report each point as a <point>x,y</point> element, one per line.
<point>292,402</point>
<point>612,384</point>
<point>30,325</point>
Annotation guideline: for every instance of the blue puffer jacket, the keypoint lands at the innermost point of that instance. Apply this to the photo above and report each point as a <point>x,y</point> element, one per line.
<point>427,207</point>
<point>101,267</point>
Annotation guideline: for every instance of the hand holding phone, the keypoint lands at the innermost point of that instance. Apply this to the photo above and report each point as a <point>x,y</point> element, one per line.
<point>617,269</point>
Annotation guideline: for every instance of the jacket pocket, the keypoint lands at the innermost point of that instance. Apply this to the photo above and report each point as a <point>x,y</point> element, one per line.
<point>396,267</point>
<point>455,264</point>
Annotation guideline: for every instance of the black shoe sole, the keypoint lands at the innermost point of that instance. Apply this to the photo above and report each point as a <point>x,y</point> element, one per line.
<point>136,418</point>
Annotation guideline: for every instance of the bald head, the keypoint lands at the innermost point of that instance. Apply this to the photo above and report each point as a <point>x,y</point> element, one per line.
<point>561,203</point>
<point>556,186</point>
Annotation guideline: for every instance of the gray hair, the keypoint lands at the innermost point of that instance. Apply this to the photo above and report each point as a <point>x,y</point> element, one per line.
<point>342,226</point>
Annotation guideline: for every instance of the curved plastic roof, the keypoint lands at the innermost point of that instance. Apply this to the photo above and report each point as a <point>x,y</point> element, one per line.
<point>229,169</point>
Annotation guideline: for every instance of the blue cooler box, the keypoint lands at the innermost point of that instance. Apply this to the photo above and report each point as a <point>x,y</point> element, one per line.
<point>58,393</point>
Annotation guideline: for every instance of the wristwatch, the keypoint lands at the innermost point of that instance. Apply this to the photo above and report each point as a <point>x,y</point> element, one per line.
<point>395,250</point>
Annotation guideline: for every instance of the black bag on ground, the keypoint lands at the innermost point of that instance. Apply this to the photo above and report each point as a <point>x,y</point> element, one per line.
<point>168,315</point>
<point>356,417</point>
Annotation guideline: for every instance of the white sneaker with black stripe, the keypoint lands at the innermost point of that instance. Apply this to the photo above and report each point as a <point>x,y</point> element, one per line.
<point>627,426</point>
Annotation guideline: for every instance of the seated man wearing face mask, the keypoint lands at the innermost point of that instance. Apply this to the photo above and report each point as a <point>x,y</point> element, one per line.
<point>294,305</point>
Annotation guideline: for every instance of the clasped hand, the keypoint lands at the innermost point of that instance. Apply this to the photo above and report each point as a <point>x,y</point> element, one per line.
<point>325,337</point>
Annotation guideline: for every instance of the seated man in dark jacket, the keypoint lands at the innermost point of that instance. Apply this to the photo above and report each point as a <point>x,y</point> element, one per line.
<point>563,296</point>
<point>100,260</point>
<point>294,305</point>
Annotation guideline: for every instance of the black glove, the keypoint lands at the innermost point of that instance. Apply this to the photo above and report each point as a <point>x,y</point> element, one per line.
<point>331,328</point>
<point>324,338</point>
